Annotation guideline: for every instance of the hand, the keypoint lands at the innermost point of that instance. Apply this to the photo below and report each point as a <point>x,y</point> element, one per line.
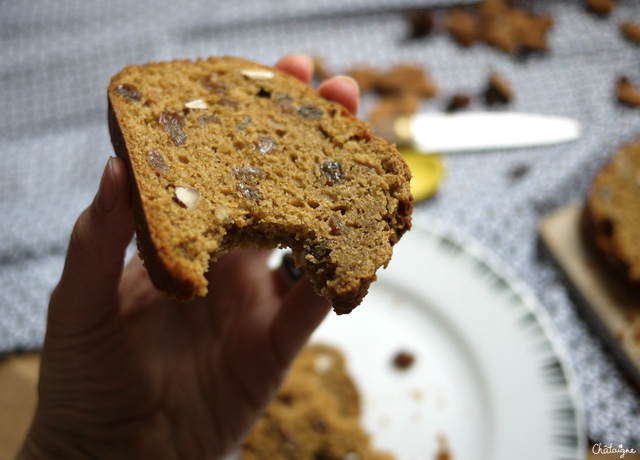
<point>128,373</point>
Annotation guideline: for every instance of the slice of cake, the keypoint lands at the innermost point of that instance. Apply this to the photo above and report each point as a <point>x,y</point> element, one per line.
<point>224,152</point>
<point>315,415</point>
<point>612,214</point>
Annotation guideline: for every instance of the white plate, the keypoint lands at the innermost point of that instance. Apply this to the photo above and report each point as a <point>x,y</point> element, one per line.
<point>489,378</point>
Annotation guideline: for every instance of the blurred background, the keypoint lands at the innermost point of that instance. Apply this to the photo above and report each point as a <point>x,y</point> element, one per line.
<point>56,60</point>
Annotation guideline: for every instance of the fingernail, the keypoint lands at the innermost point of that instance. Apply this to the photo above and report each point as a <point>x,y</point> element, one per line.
<point>352,80</point>
<point>107,193</point>
<point>289,270</point>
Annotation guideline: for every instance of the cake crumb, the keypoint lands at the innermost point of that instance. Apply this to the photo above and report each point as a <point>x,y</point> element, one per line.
<point>497,91</point>
<point>321,69</point>
<point>631,31</point>
<point>420,23</point>
<point>627,93</point>
<point>497,23</point>
<point>519,172</point>
<point>403,360</point>
<point>457,103</point>
<point>462,25</point>
<point>600,7</point>
<point>443,450</point>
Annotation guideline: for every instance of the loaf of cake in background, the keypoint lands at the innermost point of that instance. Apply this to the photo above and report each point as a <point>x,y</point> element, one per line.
<point>612,212</point>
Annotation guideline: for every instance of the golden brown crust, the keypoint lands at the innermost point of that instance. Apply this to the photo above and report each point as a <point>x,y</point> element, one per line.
<point>225,152</point>
<point>155,260</point>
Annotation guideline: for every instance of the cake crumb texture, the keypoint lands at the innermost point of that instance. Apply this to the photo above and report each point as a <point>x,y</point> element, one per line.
<point>225,152</point>
<point>315,415</point>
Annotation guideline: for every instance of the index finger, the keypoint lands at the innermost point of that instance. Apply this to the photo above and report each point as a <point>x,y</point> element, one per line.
<point>297,65</point>
<point>341,89</point>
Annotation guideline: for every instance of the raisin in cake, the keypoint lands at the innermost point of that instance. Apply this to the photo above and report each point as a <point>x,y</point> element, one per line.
<point>224,152</point>
<point>315,415</point>
<point>612,213</point>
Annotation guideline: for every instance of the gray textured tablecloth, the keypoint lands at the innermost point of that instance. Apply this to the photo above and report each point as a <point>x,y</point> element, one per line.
<point>56,59</point>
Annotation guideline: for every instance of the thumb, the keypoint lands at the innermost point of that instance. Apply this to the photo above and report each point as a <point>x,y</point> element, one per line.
<point>87,292</point>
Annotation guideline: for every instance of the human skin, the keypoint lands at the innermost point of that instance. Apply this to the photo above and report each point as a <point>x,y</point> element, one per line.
<point>127,373</point>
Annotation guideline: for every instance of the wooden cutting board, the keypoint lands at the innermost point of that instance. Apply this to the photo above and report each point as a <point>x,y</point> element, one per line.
<point>18,396</point>
<point>607,303</point>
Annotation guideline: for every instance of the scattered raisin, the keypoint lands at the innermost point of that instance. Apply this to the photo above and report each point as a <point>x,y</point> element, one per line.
<point>172,122</point>
<point>289,445</point>
<point>204,120</point>
<point>458,102</point>
<point>285,103</point>
<point>214,86</point>
<point>319,260</point>
<point>310,112</point>
<point>320,250</point>
<point>420,23</point>
<point>497,91</point>
<point>285,398</point>
<point>248,173</point>
<point>228,102</point>
<point>371,166</point>
<point>244,123</point>
<point>337,227</point>
<point>264,144</point>
<point>332,171</point>
<point>518,172</point>
<point>403,360</point>
<point>157,162</point>
<point>249,191</point>
<point>129,91</point>
<point>319,424</point>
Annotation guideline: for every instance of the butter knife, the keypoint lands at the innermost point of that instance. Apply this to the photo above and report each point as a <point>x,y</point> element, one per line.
<point>470,131</point>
